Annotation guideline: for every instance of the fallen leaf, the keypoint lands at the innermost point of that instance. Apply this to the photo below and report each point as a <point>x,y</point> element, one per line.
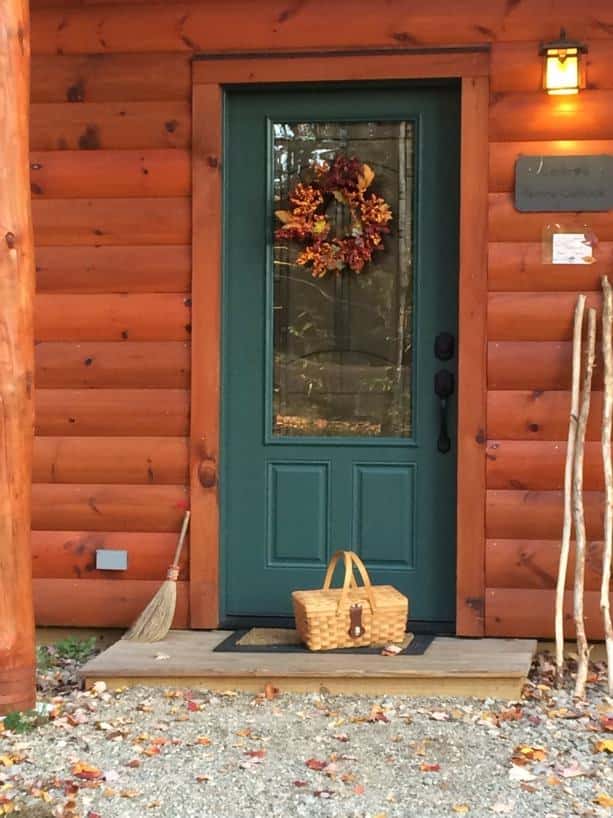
<point>426,767</point>
<point>173,694</point>
<point>440,716</point>
<point>420,748</point>
<point>255,753</point>
<point>315,764</point>
<point>129,793</point>
<point>528,787</point>
<point>461,808</point>
<point>204,740</point>
<point>521,774</point>
<point>323,793</point>
<point>606,722</point>
<point>300,783</point>
<point>391,650</point>
<point>80,769</point>
<point>572,771</point>
<point>377,714</point>
<point>342,737</point>
<point>270,691</point>
<point>192,706</point>
<point>134,762</point>
<point>604,746</point>
<point>511,714</point>
<point>603,800</point>
<point>201,779</point>
<point>359,789</point>
<point>524,753</point>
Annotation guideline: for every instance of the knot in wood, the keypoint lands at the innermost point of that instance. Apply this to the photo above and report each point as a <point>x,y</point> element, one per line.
<point>10,239</point>
<point>207,474</point>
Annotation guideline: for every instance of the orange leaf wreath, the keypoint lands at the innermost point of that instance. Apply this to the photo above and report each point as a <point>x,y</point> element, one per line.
<point>347,180</point>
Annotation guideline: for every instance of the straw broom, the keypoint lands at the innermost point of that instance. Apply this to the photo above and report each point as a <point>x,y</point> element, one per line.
<point>155,621</point>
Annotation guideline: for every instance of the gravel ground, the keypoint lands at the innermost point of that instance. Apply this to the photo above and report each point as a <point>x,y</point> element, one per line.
<point>179,753</point>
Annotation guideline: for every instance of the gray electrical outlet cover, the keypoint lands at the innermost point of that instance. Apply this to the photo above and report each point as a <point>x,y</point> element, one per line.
<point>108,559</point>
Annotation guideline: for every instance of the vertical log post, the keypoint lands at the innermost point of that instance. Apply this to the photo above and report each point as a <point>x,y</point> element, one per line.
<point>17,651</point>
<point>583,652</point>
<point>607,416</point>
<point>568,481</point>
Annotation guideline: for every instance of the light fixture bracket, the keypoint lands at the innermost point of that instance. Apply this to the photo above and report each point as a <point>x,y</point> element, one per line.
<point>562,44</point>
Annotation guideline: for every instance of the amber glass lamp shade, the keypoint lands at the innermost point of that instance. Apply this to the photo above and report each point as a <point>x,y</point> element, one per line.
<point>562,72</point>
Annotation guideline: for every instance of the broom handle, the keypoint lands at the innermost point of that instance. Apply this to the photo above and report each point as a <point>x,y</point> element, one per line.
<point>175,562</point>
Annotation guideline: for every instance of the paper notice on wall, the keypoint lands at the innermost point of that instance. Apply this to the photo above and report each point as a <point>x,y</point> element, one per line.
<point>571,248</point>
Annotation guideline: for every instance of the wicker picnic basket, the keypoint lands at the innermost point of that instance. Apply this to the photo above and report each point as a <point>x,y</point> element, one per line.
<point>351,616</point>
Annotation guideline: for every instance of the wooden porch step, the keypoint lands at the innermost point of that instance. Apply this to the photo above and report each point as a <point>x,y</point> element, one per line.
<point>450,667</point>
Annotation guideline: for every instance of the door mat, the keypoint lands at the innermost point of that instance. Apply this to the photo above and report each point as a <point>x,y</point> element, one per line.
<point>285,640</point>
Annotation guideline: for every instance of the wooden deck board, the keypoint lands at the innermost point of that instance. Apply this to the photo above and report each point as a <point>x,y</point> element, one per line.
<point>450,666</point>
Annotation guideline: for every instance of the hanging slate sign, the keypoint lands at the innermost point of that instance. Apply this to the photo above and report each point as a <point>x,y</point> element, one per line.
<point>563,183</point>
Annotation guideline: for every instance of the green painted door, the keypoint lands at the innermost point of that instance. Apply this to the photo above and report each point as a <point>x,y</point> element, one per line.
<point>332,432</point>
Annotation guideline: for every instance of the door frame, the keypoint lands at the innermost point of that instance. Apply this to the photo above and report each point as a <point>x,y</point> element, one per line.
<point>210,74</point>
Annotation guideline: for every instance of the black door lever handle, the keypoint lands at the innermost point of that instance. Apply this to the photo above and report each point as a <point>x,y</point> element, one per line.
<point>444,387</point>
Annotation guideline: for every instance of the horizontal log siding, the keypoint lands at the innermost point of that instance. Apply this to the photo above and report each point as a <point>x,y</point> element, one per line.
<point>111,186</point>
<point>530,311</point>
<point>110,138</point>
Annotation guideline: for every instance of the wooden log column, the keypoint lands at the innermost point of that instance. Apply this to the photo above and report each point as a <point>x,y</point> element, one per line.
<point>17,650</point>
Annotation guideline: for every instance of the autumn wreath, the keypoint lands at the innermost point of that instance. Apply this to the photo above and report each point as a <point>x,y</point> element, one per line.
<point>347,181</point>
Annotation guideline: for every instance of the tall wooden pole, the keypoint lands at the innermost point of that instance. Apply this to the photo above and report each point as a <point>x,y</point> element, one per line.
<point>607,420</point>
<point>17,651</point>
<point>583,651</point>
<point>568,482</point>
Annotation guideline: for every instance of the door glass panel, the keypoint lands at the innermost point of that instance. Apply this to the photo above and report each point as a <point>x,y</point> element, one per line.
<point>342,342</point>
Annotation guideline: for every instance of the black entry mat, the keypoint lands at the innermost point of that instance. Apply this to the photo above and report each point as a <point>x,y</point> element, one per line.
<point>418,646</point>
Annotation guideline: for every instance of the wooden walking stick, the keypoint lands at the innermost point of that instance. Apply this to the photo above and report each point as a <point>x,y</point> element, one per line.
<point>155,621</point>
<point>17,652</point>
<point>583,652</point>
<point>568,479</point>
<point>607,416</point>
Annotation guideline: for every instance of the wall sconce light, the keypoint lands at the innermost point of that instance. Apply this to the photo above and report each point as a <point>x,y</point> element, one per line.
<point>563,71</point>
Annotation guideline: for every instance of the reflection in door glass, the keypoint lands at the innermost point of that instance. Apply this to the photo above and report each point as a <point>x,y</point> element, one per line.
<point>343,341</point>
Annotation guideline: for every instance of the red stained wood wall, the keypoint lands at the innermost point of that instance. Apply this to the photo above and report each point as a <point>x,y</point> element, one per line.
<point>111,124</point>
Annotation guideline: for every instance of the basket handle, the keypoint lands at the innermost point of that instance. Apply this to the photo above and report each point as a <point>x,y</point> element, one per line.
<point>350,559</point>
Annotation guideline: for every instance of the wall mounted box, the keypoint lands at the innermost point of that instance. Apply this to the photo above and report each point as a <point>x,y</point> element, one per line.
<point>108,559</point>
<point>564,183</point>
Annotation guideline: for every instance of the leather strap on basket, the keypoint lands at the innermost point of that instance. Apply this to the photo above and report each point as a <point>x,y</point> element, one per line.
<point>351,559</point>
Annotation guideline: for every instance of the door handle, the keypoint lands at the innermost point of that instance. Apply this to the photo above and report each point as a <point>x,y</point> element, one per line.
<point>444,387</point>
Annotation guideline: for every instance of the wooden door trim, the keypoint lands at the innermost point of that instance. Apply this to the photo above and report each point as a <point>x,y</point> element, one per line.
<point>206,356</point>
<point>210,75</point>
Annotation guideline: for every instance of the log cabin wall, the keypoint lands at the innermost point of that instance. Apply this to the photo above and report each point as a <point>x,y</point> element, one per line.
<point>111,178</point>
<point>111,91</point>
<point>530,311</point>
